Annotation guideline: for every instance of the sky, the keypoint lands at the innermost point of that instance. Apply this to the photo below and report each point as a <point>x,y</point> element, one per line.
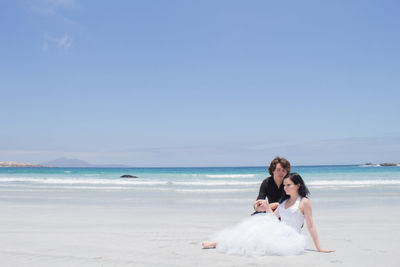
<point>200,83</point>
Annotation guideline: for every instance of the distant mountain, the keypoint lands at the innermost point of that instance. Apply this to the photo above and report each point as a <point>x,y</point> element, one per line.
<point>67,162</point>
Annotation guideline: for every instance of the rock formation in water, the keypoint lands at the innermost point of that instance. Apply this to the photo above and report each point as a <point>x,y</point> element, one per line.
<point>17,164</point>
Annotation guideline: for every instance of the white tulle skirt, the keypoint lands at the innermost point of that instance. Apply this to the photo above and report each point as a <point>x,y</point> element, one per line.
<point>259,235</point>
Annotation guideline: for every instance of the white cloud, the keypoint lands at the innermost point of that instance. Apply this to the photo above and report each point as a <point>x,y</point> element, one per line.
<point>64,41</point>
<point>58,10</point>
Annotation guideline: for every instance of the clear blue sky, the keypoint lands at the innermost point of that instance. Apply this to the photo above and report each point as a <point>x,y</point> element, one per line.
<point>200,83</point>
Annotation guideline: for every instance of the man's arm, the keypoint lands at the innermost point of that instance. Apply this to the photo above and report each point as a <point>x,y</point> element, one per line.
<point>262,194</point>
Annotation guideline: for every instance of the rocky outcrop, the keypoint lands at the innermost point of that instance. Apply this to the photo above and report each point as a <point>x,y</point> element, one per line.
<point>389,164</point>
<point>385,164</point>
<point>128,176</point>
<point>17,164</point>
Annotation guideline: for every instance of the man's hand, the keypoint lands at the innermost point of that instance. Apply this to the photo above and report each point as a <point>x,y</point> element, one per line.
<point>260,205</point>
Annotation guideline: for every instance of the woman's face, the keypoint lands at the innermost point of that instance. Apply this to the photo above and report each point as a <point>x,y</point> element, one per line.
<point>279,171</point>
<point>289,187</point>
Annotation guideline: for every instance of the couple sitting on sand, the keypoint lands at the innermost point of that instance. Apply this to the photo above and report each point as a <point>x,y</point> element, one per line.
<point>265,234</point>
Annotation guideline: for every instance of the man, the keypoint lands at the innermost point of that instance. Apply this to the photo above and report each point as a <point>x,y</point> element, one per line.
<point>272,187</point>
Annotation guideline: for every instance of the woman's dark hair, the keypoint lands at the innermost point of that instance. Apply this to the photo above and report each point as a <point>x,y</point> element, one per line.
<point>297,180</point>
<point>284,163</point>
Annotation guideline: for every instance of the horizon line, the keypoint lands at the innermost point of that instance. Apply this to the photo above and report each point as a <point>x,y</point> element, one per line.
<point>183,167</point>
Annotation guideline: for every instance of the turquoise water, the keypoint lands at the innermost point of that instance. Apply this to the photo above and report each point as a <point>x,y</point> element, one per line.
<point>221,179</point>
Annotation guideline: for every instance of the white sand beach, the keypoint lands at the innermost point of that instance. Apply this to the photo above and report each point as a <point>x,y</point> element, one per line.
<point>84,228</point>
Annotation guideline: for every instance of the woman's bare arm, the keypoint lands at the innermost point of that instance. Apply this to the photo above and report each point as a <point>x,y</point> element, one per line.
<point>307,210</point>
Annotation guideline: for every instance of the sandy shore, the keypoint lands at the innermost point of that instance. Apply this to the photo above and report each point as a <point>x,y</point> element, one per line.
<point>76,228</point>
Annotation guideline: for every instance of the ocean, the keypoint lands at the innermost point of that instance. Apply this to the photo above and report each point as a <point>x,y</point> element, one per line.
<point>191,180</point>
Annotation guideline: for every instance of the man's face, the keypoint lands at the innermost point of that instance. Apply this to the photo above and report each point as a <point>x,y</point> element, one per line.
<point>279,171</point>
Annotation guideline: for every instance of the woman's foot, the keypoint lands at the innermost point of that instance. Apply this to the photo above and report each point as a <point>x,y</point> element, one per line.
<point>208,244</point>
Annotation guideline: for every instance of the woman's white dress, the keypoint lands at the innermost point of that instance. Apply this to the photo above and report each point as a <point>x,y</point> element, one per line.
<point>263,234</point>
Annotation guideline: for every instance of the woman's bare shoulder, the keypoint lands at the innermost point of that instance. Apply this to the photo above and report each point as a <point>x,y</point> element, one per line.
<point>305,202</point>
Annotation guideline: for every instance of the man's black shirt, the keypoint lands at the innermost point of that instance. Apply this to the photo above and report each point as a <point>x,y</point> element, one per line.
<point>270,190</point>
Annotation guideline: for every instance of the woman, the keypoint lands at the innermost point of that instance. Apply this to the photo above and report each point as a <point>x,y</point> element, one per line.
<point>263,234</point>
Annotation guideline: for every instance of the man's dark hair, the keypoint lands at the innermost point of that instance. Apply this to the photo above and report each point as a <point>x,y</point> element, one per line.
<point>284,163</point>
